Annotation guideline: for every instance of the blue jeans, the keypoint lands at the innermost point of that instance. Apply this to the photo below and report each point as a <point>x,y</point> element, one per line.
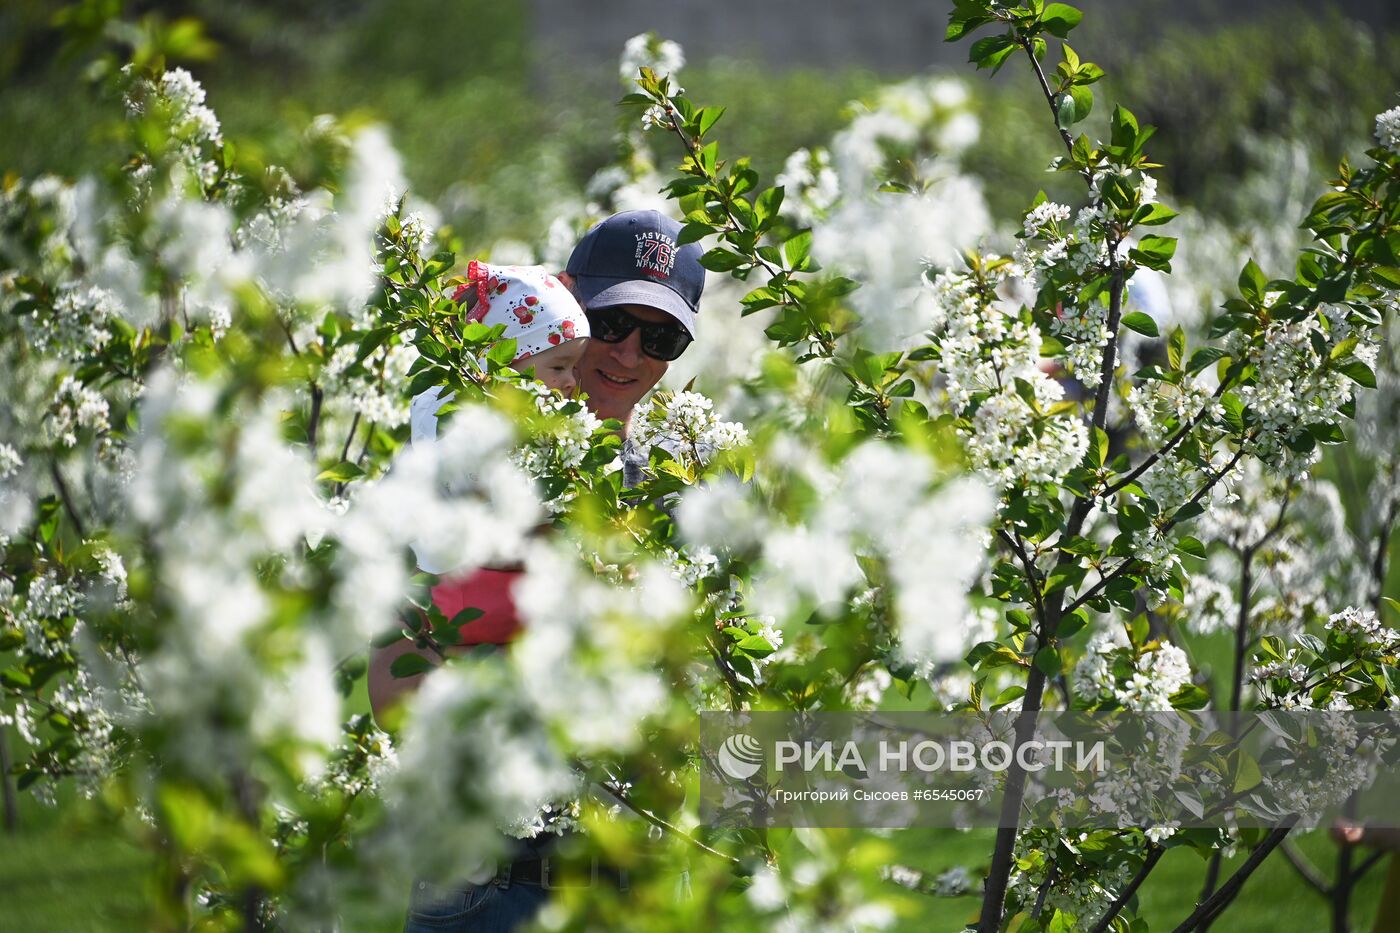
<point>473,908</point>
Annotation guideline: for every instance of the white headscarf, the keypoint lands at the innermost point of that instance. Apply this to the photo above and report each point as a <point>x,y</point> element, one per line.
<point>538,311</point>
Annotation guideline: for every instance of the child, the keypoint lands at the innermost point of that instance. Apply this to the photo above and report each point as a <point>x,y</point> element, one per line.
<point>549,327</point>
<point>550,331</point>
<point>546,321</point>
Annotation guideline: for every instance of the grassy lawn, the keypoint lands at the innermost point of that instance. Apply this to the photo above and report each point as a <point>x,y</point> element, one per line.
<point>60,874</point>
<point>63,875</point>
<point>1275,899</point>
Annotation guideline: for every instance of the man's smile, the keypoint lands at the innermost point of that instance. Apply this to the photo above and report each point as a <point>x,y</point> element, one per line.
<point>615,380</point>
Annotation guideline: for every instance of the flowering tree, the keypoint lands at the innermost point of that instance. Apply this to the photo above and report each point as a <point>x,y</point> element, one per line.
<point>209,509</point>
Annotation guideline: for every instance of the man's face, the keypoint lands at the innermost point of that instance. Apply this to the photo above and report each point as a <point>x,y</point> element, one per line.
<point>617,375</point>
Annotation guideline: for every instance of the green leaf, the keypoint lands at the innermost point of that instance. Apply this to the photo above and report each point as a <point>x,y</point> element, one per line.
<point>1245,771</point>
<point>1203,358</point>
<point>1176,347</point>
<point>342,472</point>
<point>960,24</point>
<point>991,51</point>
<point>1153,214</point>
<point>1064,111</point>
<point>989,654</point>
<point>693,232</point>
<point>410,665</point>
<point>1234,412</point>
<point>1124,127</point>
<point>798,248</point>
<point>469,614</point>
<point>503,351</point>
<point>1155,252</point>
<point>756,645</point>
<point>1083,102</point>
<point>1343,348</point>
<point>1088,73</point>
<point>14,677</point>
<point>1191,546</point>
<point>1059,18</point>
<point>768,204</point>
<point>1142,323</point>
<point>1047,661</point>
<point>1358,371</point>
<point>1252,283</point>
<point>708,116</point>
<point>720,259</point>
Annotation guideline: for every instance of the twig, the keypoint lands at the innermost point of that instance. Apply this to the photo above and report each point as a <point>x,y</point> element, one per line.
<point>1154,855</point>
<point>313,422</point>
<point>364,448</point>
<point>350,437</point>
<point>617,791</point>
<point>1044,890</point>
<point>1367,865</point>
<point>1212,906</point>
<point>1306,869</point>
<point>65,498</point>
<point>1065,138</point>
<point>1032,575</point>
<point>1166,448</point>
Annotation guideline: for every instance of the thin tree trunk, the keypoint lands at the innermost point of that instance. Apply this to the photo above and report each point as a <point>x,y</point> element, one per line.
<point>7,787</point>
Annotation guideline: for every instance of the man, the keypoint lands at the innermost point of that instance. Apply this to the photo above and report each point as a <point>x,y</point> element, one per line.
<point>641,291</point>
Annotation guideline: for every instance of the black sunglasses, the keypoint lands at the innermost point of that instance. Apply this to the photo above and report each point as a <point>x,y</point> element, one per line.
<point>662,340</point>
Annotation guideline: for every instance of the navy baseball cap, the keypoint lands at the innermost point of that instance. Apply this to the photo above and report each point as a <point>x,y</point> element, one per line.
<point>632,258</point>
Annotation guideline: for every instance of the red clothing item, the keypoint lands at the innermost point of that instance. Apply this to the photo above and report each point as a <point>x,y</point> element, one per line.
<point>488,590</point>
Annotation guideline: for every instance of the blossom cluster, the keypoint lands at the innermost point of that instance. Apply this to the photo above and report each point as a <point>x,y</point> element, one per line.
<point>990,359</point>
<point>1048,238</point>
<point>176,99</point>
<point>684,423</point>
<point>646,50</point>
<point>816,564</point>
<point>1082,893</point>
<point>1111,670</point>
<point>882,238</point>
<point>76,407</point>
<point>1295,389</point>
<point>1388,129</point>
<point>552,454</point>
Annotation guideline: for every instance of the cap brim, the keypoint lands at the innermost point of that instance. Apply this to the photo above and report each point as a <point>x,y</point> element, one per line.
<point>601,292</point>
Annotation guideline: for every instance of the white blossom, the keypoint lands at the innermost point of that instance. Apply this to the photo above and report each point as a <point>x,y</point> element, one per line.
<point>646,50</point>
<point>1388,129</point>
<point>10,461</point>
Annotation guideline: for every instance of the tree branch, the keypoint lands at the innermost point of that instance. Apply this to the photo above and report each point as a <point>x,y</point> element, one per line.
<point>1166,448</point>
<point>1212,906</point>
<point>1305,869</point>
<point>65,498</point>
<point>616,789</point>
<point>1065,138</point>
<point>1154,855</point>
<point>1169,523</point>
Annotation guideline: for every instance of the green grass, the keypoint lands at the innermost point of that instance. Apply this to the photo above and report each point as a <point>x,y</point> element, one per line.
<point>63,872</point>
<point>1274,900</point>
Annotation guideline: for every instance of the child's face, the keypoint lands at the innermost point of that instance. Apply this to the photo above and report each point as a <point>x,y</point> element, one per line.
<point>556,367</point>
